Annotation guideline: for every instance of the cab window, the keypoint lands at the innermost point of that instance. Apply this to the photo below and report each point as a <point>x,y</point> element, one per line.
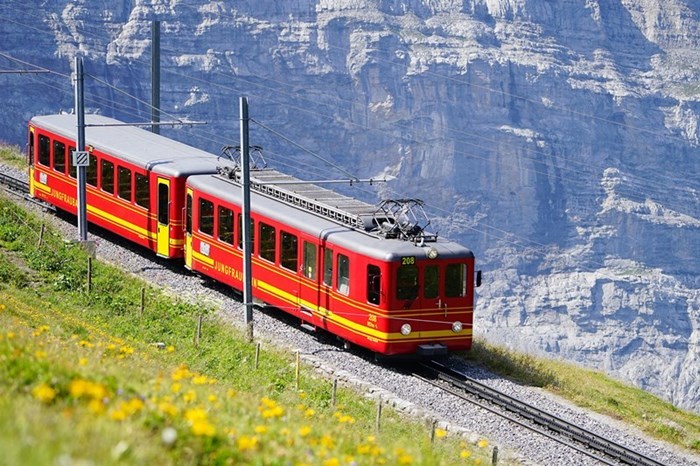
<point>373,284</point>
<point>91,171</point>
<point>309,260</point>
<point>44,150</point>
<point>455,280</point>
<point>407,282</point>
<point>124,180</point>
<point>107,180</point>
<point>328,267</point>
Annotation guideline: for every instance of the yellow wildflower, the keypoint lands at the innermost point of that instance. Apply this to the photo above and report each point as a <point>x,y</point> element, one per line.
<point>180,373</point>
<point>332,462</point>
<point>304,431</point>
<point>465,454</point>
<point>96,406</point>
<point>246,443</point>
<point>175,388</point>
<point>212,398</point>
<point>195,414</point>
<point>82,361</point>
<point>203,428</point>
<point>309,412</point>
<point>200,380</point>
<point>170,349</point>
<point>405,459</point>
<point>230,393</point>
<point>190,396</point>
<point>440,433</point>
<point>168,408</point>
<point>40,354</point>
<point>260,429</point>
<point>483,443</point>
<point>44,393</point>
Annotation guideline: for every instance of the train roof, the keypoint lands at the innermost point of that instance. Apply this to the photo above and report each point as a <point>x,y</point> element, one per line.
<point>320,226</point>
<point>135,145</point>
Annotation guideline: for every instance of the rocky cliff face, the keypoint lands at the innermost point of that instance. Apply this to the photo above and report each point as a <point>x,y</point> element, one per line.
<point>557,139</point>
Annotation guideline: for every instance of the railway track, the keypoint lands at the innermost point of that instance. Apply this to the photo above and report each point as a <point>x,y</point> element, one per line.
<point>21,187</point>
<point>515,410</point>
<point>530,417</point>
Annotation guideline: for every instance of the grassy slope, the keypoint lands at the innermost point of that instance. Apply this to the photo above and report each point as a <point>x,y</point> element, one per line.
<point>82,378</point>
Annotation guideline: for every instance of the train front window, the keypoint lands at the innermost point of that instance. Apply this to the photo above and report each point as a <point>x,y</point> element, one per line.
<point>206,217</point>
<point>431,281</point>
<point>309,260</point>
<point>225,225</point>
<point>59,156</point>
<point>289,251</point>
<point>407,282</point>
<point>343,274</point>
<point>374,284</point>
<point>455,280</point>
<point>44,151</point>
<point>107,179</point>
<point>267,242</point>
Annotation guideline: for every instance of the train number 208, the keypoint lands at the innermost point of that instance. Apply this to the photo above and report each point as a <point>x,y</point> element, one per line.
<point>410,260</point>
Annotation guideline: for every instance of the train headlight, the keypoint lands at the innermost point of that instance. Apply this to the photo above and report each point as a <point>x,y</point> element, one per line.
<point>405,329</point>
<point>432,253</point>
<point>457,327</point>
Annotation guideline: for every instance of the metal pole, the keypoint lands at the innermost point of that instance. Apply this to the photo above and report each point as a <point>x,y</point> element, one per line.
<point>155,76</point>
<point>80,146</point>
<point>247,239</point>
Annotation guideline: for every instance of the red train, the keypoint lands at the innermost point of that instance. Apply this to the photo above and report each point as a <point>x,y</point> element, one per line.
<point>368,274</point>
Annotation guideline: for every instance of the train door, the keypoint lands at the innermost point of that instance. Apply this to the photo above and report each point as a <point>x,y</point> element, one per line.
<point>163,233</point>
<point>188,229</point>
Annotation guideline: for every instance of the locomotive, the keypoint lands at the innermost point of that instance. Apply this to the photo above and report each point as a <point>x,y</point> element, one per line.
<point>371,275</point>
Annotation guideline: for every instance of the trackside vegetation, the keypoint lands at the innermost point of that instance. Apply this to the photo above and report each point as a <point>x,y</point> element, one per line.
<point>88,377</point>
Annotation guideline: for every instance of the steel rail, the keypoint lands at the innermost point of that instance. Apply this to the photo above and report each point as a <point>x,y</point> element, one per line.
<point>17,186</point>
<point>539,417</point>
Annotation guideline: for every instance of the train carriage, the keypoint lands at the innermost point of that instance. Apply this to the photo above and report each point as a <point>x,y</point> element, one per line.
<point>328,263</point>
<point>135,180</point>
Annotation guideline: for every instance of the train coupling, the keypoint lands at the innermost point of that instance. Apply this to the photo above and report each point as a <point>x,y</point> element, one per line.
<point>432,349</point>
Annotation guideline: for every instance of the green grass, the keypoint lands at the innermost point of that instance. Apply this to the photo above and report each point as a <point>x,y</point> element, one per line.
<point>82,378</point>
<point>595,391</point>
<point>12,155</point>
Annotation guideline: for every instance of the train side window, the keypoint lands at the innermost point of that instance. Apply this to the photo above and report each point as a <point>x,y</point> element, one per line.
<point>44,150</point>
<point>107,178</point>
<point>72,170</point>
<point>267,242</point>
<point>309,260</point>
<point>343,274</point>
<point>206,216</point>
<point>240,231</point>
<point>407,282</point>
<point>456,280</point>
<point>374,284</point>
<point>124,180</point>
<point>289,256</point>
<point>328,267</point>
<point>431,281</point>
<point>143,191</point>
<point>225,225</point>
<point>59,157</point>
<point>91,171</point>
<point>188,214</point>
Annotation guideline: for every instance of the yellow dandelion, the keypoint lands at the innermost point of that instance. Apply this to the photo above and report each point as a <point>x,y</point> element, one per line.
<point>247,443</point>
<point>82,361</point>
<point>260,429</point>
<point>405,459</point>
<point>86,344</point>
<point>331,462</point>
<point>199,380</point>
<point>190,396</point>
<point>464,454</point>
<point>371,438</point>
<point>327,441</point>
<point>40,354</point>
<point>304,431</point>
<point>346,419</point>
<point>309,413</point>
<point>44,393</point>
<point>133,406</point>
<point>230,393</point>
<point>117,415</point>
<point>175,388</point>
<point>170,349</point>
<point>168,409</point>
<point>10,335</point>
<point>96,406</point>
<point>363,449</point>
<point>203,428</point>
<point>277,411</point>
<point>126,350</point>
<point>195,414</point>
<point>483,443</point>
<point>2,307</point>
<point>440,433</point>
<point>180,373</point>
<point>212,398</point>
